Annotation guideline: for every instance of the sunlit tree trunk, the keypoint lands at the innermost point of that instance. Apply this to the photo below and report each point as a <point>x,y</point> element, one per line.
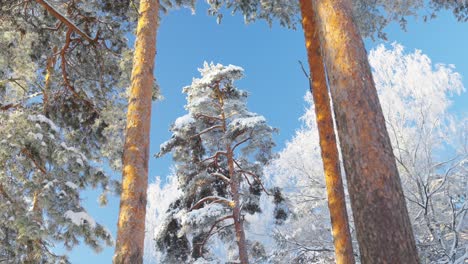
<point>131,224</point>
<point>330,158</point>
<point>381,218</point>
<point>47,81</point>
<point>235,186</point>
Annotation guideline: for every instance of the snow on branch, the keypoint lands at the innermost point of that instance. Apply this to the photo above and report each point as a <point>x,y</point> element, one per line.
<point>214,199</point>
<point>65,20</point>
<point>80,218</point>
<point>206,131</point>
<point>221,176</point>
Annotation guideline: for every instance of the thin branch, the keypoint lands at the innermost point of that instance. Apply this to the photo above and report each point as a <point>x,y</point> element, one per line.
<point>206,131</point>
<point>221,176</point>
<point>215,156</point>
<point>240,143</point>
<point>65,20</point>
<point>256,178</point>
<point>38,166</point>
<point>208,117</point>
<point>214,199</point>
<point>202,244</point>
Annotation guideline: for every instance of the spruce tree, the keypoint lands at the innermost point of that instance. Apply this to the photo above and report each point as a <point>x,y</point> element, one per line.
<point>219,149</point>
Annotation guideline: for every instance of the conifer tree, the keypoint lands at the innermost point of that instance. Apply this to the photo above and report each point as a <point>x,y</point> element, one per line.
<point>380,214</point>
<point>219,149</point>
<point>131,222</point>
<point>61,113</point>
<point>329,150</point>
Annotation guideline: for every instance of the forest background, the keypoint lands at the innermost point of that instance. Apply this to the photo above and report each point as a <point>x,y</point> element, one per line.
<point>274,80</point>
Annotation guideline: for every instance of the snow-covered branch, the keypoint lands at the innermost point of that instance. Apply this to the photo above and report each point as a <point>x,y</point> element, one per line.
<point>54,12</point>
<point>207,130</point>
<point>221,176</point>
<point>213,199</point>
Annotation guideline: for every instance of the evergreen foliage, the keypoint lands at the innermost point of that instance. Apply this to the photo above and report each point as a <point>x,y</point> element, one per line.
<point>62,106</point>
<point>217,126</point>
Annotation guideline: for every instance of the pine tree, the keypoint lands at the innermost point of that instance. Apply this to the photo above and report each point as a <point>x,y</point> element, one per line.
<point>219,149</point>
<point>329,150</point>
<point>61,112</point>
<point>131,223</point>
<point>381,218</point>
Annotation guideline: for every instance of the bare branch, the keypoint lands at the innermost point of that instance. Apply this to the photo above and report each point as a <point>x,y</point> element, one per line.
<point>210,232</point>
<point>240,143</point>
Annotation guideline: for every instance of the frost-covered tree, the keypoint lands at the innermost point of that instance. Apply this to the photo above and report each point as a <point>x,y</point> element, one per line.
<point>429,144</point>
<point>219,149</point>
<point>430,147</point>
<point>62,91</point>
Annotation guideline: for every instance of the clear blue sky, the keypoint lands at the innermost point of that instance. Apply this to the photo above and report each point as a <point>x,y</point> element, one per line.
<point>273,78</point>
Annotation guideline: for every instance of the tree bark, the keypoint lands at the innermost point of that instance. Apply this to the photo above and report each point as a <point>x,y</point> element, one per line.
<point>47,81</point>
<point>131,224</point>
<point>236,211</point>
<point>381,218</point>
<point>329,151</point>
<point>234,185</point>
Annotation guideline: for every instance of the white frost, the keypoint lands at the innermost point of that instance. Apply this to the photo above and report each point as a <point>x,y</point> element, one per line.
<point>71,185</point>
<point>80,218</point>
<point>43,119</point>
<point>183,121</point>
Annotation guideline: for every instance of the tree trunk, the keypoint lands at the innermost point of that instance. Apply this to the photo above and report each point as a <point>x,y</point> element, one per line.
<point>330,158</point>
<point>236,212</point>
<point>382,223</point>
<point>234,185</point>
<point>47,81</point>
<point>131,224</point>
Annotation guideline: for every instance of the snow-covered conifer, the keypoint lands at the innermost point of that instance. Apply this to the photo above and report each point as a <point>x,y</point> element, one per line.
<point>62,103</point>
<point>219,149</point>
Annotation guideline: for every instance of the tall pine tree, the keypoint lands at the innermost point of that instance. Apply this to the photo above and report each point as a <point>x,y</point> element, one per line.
<point>219,149</point>
<point>61,114</point>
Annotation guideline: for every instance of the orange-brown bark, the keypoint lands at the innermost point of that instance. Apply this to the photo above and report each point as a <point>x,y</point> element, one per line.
<point>380,215</point>
<point>131,224</point>
<point>330,158</point>
<point>47,80</point>
<point>235,191</point>
<point>64,20</point>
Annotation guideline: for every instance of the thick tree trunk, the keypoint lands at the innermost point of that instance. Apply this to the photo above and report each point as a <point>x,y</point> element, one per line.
<point>382,223</point>
<point>131,225</point>
<point>330,158</point>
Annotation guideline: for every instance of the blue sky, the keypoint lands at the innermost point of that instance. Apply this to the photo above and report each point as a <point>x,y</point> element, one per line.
<point>272,77</point>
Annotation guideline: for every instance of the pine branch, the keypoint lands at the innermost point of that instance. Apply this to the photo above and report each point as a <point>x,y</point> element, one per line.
<point>206,131</point>
<point>54,12</point>
<point>210,233</point>
<point>221,176</point>
<point>214,199</point>
<point>240,143</point>
<point>256,178</point>
<point>307,75</point>
<point>215,156</point>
